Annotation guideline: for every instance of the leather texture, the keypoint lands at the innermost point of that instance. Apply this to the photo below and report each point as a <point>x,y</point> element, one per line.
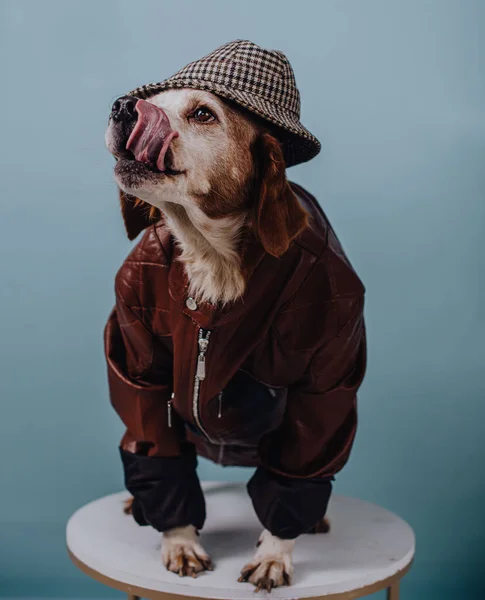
<point>288,358</point>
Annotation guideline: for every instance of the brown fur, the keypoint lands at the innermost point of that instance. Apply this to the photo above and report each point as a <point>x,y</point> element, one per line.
<point>226,185</point>
<point>276,216</point>
<point>230,195</point>
<point>137,215</point>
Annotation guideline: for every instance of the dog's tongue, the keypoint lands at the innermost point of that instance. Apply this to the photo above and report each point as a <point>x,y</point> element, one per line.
<point>151,135</point>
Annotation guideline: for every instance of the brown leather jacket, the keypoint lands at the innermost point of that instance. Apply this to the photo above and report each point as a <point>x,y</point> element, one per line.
<point>268,381</point>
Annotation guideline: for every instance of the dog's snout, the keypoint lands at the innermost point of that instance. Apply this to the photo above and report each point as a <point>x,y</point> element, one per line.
<point>123,109</point>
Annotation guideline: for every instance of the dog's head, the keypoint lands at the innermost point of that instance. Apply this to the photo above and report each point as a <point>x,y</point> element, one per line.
<point>191,148</point>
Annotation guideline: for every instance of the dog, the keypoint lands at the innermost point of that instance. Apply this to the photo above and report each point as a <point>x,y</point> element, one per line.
<point>214,173</point>
<point>205,196</point>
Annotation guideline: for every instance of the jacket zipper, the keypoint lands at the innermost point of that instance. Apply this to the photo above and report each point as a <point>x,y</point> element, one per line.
<point>202,343</point>
<point>169,409</point>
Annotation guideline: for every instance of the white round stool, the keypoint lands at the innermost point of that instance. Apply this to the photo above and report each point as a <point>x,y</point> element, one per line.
<point>368,549</point>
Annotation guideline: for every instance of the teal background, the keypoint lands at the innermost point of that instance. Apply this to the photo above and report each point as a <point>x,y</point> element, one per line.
<point>396,92</point>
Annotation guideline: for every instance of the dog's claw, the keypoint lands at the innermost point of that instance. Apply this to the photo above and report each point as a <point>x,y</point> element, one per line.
<point>265,575</point>
<point>245,574</point>
<point>185,562</point>
<point>205,562</point>
<point>266,583</point>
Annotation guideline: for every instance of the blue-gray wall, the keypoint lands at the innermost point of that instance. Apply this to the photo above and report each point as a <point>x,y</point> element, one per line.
<point>396,92</point>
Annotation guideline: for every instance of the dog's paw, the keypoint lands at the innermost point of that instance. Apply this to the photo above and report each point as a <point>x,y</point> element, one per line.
<point>267,574</point>
<point>182,553</point>
<point>272,565</point>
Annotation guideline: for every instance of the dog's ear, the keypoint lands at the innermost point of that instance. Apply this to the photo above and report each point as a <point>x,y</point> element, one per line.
<point>137,215</point>
<point>279,217</point>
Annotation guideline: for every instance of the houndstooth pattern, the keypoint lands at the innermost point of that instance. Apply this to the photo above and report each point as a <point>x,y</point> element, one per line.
<point>260,80</point>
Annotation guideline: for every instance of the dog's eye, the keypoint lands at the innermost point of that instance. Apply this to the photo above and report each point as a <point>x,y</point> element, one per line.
<point>203,115</point>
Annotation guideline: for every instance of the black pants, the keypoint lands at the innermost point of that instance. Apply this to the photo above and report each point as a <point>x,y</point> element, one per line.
<point>167,491</point>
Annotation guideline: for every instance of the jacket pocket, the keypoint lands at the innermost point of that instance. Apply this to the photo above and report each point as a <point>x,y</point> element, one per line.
<point>244,411</point>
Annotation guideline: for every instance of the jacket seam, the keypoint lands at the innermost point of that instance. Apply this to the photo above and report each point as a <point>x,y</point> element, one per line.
<point>147,263</point>
<point>142,308</point>
<point>310,271</point>
<point>340,328</point>
<point>323,303</point>
<point>149,329</point>
<point>139,319</point>
<point>308,249</point>
<point>315,349</point>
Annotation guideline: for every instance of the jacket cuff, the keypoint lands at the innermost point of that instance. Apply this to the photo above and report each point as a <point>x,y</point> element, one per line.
<point>288,507</point>
<point>166,490</point>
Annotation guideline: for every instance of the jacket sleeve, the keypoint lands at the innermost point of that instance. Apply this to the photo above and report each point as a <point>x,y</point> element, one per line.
<point>159,467</point>
<point>290,491</point>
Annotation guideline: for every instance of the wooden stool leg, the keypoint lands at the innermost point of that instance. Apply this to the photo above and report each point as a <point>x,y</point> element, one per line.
<point>393,591</point>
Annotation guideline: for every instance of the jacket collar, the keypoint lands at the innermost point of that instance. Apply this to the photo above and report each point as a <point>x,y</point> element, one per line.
<point>258,267</point>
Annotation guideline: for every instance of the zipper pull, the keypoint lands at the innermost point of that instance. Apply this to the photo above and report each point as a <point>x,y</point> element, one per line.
<point>169,409</point>
<point>200,367</point>
<point>219,414</point>
<point>203,343</point>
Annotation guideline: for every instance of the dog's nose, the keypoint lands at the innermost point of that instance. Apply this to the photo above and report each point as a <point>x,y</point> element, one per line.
<point>124,109</point>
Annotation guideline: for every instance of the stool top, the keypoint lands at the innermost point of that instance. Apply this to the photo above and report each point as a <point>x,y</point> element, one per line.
<point>366,546</point>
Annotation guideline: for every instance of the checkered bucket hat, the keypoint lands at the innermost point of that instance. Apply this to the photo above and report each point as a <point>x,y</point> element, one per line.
<point>260,80</point>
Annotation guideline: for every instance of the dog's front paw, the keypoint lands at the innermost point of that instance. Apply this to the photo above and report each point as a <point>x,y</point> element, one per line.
<point>272,565</point>
<point>182,553</point>
<point>267,574</point>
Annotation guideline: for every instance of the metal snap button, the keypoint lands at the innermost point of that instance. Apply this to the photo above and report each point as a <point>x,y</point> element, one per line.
<point>191,303</point>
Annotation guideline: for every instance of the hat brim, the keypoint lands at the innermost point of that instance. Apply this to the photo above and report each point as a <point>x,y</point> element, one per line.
<point>299,145</point>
